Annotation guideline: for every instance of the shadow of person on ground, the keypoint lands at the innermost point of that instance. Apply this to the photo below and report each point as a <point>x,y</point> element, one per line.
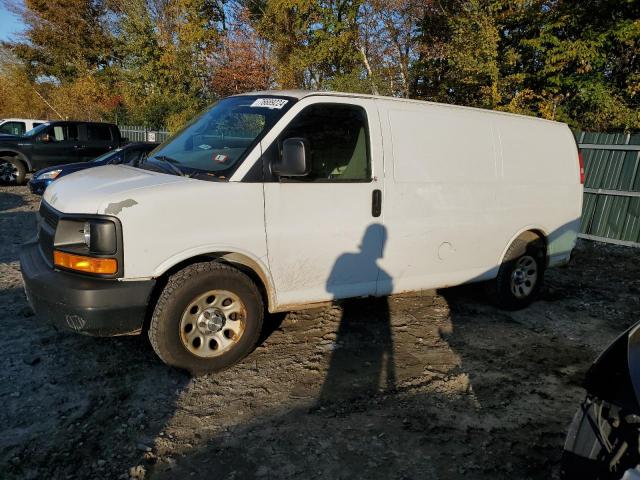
<point>362,361</point>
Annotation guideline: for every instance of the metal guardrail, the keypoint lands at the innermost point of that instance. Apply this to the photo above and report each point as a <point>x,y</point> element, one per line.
<point>597,146</point>
<point>143,134</point>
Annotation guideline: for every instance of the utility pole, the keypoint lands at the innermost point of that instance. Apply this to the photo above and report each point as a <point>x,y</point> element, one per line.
<point>48,104</point>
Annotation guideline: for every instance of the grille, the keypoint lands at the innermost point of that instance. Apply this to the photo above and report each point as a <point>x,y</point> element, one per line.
<point>47,231</point>
<point>49,216</point>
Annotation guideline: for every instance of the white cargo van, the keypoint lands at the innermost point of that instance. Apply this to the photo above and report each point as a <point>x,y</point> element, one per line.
<point>289,199</point>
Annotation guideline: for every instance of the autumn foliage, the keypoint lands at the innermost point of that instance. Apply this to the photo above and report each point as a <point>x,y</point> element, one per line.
<point>159,62</point>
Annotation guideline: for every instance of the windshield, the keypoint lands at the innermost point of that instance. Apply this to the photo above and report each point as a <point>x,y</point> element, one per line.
<point>105,156</point>
<point>217,141</point>
<point>35,131</point>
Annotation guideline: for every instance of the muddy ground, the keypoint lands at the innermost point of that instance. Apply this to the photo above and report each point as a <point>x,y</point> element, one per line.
<point>444,386</point>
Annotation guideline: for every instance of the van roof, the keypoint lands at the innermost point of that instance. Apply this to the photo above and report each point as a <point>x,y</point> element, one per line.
<point>300,94</point>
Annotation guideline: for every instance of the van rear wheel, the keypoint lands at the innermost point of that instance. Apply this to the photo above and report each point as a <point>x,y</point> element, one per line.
<point>521,273</point>
<point>207,318</point>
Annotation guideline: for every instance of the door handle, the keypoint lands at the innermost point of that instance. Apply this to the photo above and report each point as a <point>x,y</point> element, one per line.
<point>376,203</point>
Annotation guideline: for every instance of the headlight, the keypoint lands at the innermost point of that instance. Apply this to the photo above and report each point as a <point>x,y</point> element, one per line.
<point>88,244</point>
<point>100,236</point>
<point>50,175</point>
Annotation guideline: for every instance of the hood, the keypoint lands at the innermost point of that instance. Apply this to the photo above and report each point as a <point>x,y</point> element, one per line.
<point>67,167</point>
<point>7,137</point>
<point>95,190</point>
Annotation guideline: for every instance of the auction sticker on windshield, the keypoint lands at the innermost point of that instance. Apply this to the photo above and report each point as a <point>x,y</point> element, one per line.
<point>270,103</point>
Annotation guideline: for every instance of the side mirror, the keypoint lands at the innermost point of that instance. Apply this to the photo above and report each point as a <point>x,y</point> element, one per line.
<point>294,160</point>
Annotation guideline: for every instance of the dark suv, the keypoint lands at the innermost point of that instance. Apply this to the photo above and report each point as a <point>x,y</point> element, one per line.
<point>54,143</point>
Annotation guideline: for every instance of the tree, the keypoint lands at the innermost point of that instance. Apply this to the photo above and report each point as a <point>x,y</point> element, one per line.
<point>574,61</point>
<point>165,47</point>
<point>242,61</point>
<point>314,43</point>
<point>63,39</point>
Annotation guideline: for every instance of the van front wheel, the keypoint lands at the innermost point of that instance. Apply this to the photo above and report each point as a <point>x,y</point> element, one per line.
<point>207,318</point>
<point>521,273</point>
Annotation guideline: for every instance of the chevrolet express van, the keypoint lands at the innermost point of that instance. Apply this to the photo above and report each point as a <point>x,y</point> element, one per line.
<point>280,200</point>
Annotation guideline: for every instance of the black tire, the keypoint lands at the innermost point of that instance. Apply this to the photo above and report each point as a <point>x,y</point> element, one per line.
<point>180,291</point>
<point>528,245</point>
<point>12,171</point>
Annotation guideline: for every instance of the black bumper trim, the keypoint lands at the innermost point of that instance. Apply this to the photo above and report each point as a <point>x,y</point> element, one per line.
<point>93,306</point>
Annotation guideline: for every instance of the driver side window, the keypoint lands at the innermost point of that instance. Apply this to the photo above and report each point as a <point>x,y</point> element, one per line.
<point>338,142</point>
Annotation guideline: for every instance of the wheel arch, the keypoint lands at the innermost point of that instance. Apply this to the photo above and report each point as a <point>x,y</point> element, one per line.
<point>244,262</point>
<point>531,229</point>
<point>7,152</point>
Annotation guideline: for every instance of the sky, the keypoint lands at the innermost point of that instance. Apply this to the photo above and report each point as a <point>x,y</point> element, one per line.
<point>9,23</point>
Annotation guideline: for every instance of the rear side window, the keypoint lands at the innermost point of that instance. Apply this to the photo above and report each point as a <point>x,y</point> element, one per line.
<point>99,133</point>
<point>337,136</point>
<point>61,133</point>
<point>72,132</point>
<point>13,128</point>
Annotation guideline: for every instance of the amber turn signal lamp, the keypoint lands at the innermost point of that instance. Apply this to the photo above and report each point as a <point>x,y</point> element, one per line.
<point>80,263</point>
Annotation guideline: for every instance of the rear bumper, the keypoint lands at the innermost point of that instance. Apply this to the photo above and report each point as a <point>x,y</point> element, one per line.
<point>92,306</point>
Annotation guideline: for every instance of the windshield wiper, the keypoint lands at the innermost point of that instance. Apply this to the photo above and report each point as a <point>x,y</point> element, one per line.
<point>171,162</point>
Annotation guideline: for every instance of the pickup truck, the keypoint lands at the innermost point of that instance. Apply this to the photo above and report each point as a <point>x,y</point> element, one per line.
<point>18,126</point>
<point>54,143</point>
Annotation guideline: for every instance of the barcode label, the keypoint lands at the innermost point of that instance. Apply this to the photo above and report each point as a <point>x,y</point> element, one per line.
<point>270,103</point>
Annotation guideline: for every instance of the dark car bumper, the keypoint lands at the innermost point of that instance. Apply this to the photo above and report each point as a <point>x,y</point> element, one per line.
<point>38,186</point>
<point>92,306</point>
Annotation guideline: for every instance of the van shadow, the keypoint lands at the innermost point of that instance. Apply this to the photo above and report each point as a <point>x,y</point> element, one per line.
<point>76,406</point>
<point>9,201</point>
<point>447,388</point>
<point>16,227</point>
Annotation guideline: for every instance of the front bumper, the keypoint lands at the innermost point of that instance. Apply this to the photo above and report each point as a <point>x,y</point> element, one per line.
<point>93,306</point>
<point>38,186</point>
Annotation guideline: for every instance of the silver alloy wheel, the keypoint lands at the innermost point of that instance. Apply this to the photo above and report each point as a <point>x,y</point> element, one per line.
<point>213,323</point>
<point>524,276</point>
<point>8,172</point>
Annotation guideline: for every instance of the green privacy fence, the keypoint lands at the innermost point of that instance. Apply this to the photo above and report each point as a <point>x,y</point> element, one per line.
<point>611,204</point>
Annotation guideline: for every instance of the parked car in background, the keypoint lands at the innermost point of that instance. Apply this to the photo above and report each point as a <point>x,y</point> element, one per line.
<point>18,126</point>
<point>54,143</point>
<point>603,442</point>
<point>130,154</point>
<point>283,200</point>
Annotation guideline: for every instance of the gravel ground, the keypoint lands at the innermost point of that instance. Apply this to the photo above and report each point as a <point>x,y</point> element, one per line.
<point>443,386</point>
